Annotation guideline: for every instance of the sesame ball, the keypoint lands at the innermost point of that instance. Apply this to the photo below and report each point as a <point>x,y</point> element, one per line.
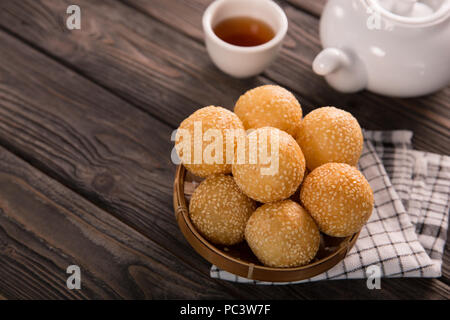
<point>338,197</point>
<point>210,161</point>
<point>219,210</point>
<point>282,234</point>
<point>269,106</point>
<point>329,134</point>
<point>273,177</point>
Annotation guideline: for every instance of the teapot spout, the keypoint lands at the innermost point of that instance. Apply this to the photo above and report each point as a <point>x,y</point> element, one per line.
<point>343,71</point>
<point>329,60</point>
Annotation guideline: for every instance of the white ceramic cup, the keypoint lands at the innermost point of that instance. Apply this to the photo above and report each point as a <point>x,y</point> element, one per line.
<point>237,61</point>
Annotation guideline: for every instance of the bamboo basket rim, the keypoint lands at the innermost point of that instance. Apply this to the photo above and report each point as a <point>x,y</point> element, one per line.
<point>182,212</point>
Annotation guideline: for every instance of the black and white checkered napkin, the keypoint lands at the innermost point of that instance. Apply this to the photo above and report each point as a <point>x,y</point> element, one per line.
<point>406,234</point>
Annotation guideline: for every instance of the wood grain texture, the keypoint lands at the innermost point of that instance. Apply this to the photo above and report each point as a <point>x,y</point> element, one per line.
<point>428,117</point>
<point>88,138</point>
<point>44,228</point>
<point>143,61</point>
<point>117,156</point>
<point>111,153</point>
<point>313,7</point>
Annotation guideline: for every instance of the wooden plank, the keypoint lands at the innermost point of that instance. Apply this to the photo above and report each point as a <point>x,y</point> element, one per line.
<point>428,116</point>
<point>110,152</point>
<point>45,227</point>
<point>143,61</point>
<point>89,139</point>
<point>313,7</point>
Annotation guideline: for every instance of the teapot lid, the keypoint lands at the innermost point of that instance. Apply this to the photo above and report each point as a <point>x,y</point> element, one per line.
<point>412,13</point>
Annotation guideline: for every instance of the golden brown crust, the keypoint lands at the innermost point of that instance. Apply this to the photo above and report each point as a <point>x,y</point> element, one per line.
<point>282,234</point>
<point>329,134</point>
<point>285,179</point>
<point>219,210</point>
<point>269,106</point>
<point>211,117</point>
<point>338,197</point>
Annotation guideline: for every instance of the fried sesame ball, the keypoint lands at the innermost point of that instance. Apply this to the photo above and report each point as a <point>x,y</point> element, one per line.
<point>219,210</point>
<point>269,106</point>
<point>329,134</point>
<point>338,197</point>
<point>210,117</point>
<point>282,234</point>
<point>271,178</point>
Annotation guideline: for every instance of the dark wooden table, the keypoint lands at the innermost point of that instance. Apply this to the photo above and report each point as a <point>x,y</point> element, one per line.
<point>86,118</point>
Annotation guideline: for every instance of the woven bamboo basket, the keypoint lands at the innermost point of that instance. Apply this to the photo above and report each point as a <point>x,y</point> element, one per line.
<point>239,259</point>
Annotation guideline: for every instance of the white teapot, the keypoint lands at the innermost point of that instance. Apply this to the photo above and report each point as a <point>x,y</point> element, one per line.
<point>398,48</point>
